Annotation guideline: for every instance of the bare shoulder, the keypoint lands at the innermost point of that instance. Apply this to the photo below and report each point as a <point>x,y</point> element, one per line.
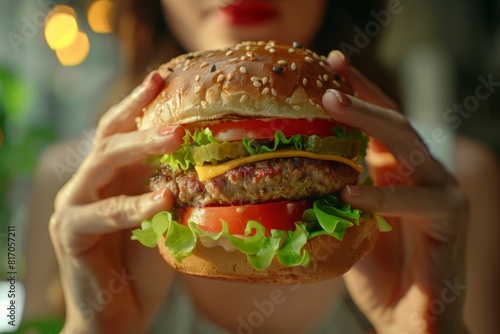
<point>478,174</point>
<point>473,157</point>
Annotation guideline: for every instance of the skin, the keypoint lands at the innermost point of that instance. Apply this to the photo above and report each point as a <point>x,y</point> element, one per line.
<point>95,212</point>
<point>199,25</point>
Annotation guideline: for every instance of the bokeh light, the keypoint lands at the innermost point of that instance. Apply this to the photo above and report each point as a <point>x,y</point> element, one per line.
<point>76,52</point>
<point>61,27</point>
<point>100,16</point>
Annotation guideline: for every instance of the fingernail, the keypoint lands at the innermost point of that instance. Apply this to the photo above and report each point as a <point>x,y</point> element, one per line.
<point>337,54</point>
<point>158,195</point>
<point>341,97</point>
<point>153,77</point>
<point>354,191</point>
<point>167,130</point>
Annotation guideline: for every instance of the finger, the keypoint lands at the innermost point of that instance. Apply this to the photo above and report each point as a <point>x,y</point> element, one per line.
<point>393,130</point>
<point>365,89</point>
<point>438,203</point>
<point>115,213</point>
<point>114,152</point>
<point>121,117</point>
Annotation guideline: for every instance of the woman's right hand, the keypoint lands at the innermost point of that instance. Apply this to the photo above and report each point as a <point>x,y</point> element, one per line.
<point>112,284</point>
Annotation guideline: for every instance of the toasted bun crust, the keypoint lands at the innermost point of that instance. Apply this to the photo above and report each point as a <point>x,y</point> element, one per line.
<point>248,80</point>
<point>329,258</point>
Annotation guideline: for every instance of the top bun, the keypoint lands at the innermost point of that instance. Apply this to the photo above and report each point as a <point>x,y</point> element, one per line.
<point>248,80</point>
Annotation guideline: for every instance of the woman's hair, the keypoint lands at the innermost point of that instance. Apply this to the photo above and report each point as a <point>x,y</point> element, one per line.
<point>147,41</point>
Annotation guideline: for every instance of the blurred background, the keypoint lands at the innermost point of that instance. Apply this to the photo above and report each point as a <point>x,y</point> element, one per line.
<point>58,59</point>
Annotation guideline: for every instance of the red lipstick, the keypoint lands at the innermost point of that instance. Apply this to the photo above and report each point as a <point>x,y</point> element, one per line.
<point>249,12</point>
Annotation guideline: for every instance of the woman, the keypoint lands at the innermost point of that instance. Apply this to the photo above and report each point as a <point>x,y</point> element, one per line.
<point>413,281</point>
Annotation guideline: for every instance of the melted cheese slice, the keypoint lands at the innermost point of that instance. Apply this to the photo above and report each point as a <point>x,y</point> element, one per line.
<point>209,171</point>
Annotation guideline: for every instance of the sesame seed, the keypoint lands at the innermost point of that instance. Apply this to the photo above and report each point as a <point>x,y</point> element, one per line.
<point>185,68</point>
<point>243,58</point>
<point>297,45</point>
<point>220,78</point>
<point>230,52</point>
<point>265,80</point>
<point>304,81</point>
<point>291,50</point>
<point>253,79</point>
<point>272,50</point>
<point>278,69</point>
<point>248,48</point>
<point>197,77</point>
<point>325,77</point>
<point>243,98</point>
<point>230,76</point>
<point>282,62</point>
<point>250,56</point>
<point>243,69</point>
<point>213,68</point>
<point>208,55</point>
<point>319,83</point>
<point>311,101</point>
<point>197,89</point>
<point>260,43</point>
<point>308,59</point>
<point>293,66</point>
<point>336,83</point>
<point>319,107</point>
<point>265,91</point>
<point>274,92</point>
<point>296,108</point>
<point>204,64</point>
<point>321,63</point>
<point>204,103</point>
<point>257,84</point>
<point>233,60</point>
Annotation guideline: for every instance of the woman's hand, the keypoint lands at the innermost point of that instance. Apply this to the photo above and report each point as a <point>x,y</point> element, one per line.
<point>112,284</point>
<point>413,280</point>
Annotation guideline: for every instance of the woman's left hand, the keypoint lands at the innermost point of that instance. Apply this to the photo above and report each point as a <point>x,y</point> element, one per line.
<point>413,280</point>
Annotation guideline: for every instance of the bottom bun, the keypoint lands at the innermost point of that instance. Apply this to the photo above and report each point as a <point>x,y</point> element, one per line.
<point>329,258</point>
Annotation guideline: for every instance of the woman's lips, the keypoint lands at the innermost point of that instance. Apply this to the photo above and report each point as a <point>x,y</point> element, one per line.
<point>249,12</point>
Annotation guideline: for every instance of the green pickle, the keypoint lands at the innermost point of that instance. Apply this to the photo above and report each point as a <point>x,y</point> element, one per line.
<point>330,145</point>
<point>216,152</point>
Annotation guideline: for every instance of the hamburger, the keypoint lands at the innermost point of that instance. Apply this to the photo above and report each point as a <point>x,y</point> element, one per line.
<point>256,180</point>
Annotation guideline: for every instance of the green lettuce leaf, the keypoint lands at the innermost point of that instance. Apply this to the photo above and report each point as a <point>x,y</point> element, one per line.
<point>183,156</point>
<point>328,216</point>
<point>253,147</point>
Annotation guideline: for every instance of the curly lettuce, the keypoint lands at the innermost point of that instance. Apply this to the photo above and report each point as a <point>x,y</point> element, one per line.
<point>328,216</point>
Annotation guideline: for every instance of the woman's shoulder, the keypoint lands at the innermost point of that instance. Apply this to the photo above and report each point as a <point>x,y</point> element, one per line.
<point>474,159</point>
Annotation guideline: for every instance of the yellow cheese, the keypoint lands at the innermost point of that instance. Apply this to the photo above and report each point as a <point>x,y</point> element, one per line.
<point>209,171</point>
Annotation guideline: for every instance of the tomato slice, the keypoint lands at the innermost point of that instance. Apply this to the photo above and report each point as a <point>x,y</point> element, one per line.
<point>276,215</point>
<point>265,128</point>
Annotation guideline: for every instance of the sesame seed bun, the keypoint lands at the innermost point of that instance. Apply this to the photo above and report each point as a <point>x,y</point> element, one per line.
<point>255,80</point>
<point>249,80</point>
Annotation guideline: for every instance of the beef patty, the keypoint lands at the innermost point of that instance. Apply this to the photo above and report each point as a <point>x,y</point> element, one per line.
<point>258,182</point>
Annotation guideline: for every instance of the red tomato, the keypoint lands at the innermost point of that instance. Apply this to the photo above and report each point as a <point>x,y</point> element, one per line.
<point>275,215</point>
<point>261,129</point>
